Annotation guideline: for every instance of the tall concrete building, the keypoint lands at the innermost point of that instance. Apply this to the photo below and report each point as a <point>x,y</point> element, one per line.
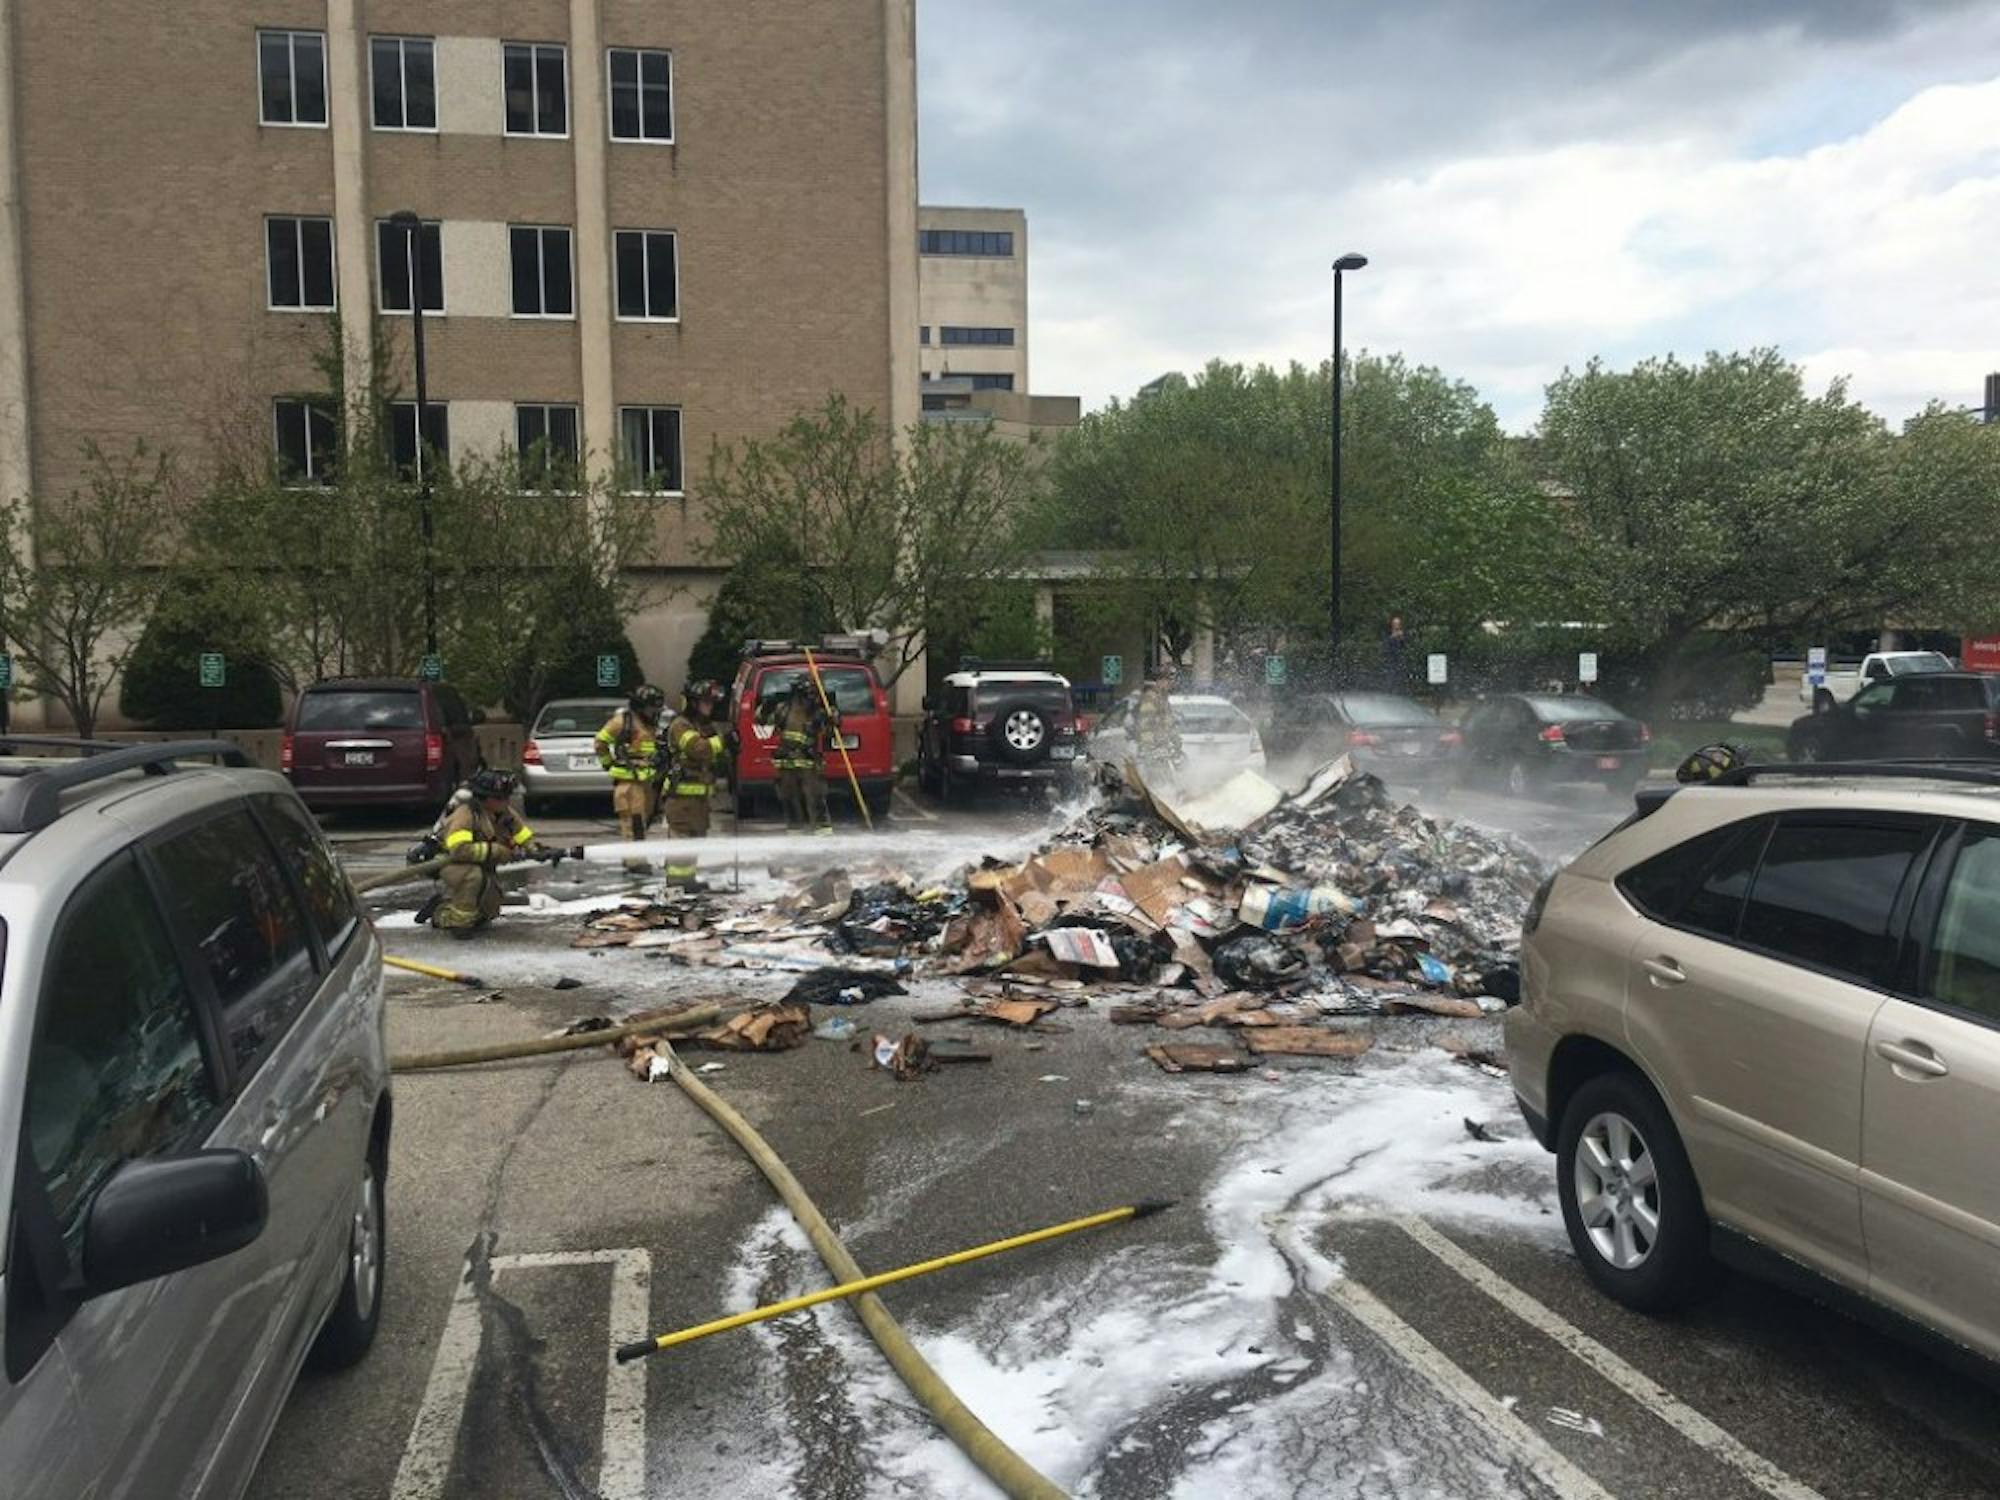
<point>973,280</point>
<point>644,228</point>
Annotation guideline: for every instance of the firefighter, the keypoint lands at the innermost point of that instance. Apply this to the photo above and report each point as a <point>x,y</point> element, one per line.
<point>1156,733</point>
<point>802,720</point>
<point>694,760</point>
<point>480,835</point>
<point>1711,762</point>
<point>628,748</point>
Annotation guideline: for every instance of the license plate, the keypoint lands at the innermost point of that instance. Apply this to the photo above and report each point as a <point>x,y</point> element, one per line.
<point>1608,762</point>
<point>1062,752</point>
<point>850,742</point>
<point>358,758</point>
<point>583,763</point>
<point>1409,747</point>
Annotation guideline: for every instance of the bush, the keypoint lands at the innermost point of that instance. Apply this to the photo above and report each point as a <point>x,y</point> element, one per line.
<point>162,684</point>
<point>759,599</point>
<point>568,667</point>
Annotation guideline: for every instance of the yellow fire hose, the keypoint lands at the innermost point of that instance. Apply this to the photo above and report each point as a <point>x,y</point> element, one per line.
<point>840,743</point>
<point>1006,1468</point>
<point>421,1062</point>
<point>452,976</point>
<point>399,876</point>
<point>644,1347</point>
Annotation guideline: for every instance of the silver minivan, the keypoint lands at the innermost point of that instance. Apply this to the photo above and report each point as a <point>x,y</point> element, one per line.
<point>194,1117</point>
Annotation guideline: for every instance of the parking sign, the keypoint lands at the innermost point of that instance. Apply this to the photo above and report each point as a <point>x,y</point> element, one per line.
<point>1586,666</point>
<point>1274,671</point>
<point>214,671</point>
<point>1816,666</point>
<point>610,671</point>
<point>432,669</point>
<point>1111,671</point>
<point>1438,670</point>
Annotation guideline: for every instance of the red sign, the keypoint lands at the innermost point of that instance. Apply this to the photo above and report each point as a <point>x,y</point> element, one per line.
<point>1981,653</point>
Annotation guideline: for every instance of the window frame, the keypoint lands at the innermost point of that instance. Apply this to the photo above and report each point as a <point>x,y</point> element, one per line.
<point>535,73</point>
<point>402,42</point>
<point>298,223</point>
<point>312,481</point>
<point>964,343</point>
<point>521,450</point>
<point>442,409</point>
<point>291,35</point>
<point>645,275</point>
<point>672,137</point>
<point>541,232</point>
<point>424,226</point>
<point>1918,968</point>
<point>990,236</point>
<point>631,472</point>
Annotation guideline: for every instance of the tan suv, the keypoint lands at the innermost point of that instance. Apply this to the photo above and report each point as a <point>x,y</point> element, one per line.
<point>1764,1016</point>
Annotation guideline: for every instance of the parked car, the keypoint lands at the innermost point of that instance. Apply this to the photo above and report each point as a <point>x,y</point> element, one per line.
<point>560,756</point>
<point>379,742</point>
<point>1878,666</point>
<point>1942,715</point>
<point>998,724</point>
<point>1764,1021</point>
<point>1390,735</point>
<point>866,729</point>
<point>1527,741</point>
<point>1217,737</point>
<point>196,1087</point>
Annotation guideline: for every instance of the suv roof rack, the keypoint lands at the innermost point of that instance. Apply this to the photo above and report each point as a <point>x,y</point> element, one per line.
<point>980,664</point>
<point>1972,772</point>
<point>32,799</point>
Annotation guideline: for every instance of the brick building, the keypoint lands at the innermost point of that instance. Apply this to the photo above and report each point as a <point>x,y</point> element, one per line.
<point>644,228</point>
<point>973,296</point>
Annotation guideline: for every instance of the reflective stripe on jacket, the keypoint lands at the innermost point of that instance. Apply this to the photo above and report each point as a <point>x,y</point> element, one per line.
<point>628,747</point>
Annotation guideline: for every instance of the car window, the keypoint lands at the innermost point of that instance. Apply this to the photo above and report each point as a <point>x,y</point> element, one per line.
<point>302,848</point>
<point>1574,710</point>
<point>352,709</point>
<point>1825,893</point>
<point>1382,713</point>
<point>572,718</point>
<point>1965,951</point>
<point>852,689</point>
<point>1715,905</point>
<point>230,900</point>
<point>1663,886</point>
<point>1961,692</point>
<point>1875,696</point>
<point>1050,697</point>
<point>1916,695</point>
<point>1911,666</point>
<point>116,1070</point>
<point>1211,718</point>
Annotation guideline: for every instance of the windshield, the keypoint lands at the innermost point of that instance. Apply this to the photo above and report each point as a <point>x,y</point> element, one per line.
<point>1211,718</point>
<point>574,718</point>
<point>1573,710</point>
<point>348,709</point>
<point>1917,664</point>
<point>1050,697</point>
<point>852,689</point>
<point>1385,712</point>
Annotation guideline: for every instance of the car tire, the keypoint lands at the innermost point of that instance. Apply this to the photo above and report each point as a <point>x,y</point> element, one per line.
<point>1022,733</point>
<point>349,1329</point>
<point>1807,749</point>
<point>1632,1206</point>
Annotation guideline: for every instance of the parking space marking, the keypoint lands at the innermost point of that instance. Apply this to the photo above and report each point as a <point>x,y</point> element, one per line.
<point>1505,1430</point>
<point>909,805</point>
<point>1641,1387</point>
<point>427,1457</point>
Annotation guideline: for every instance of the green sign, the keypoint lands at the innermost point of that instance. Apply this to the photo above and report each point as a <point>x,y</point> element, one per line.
<point>213,672</point>
<point>432,669</point>
<point>1274,671</point>
<point>609,671</point>
<point>6,672</point>
<point>1112,670</point>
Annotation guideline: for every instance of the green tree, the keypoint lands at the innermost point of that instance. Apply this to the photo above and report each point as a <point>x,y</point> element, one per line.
<point>161,686</point>
<point>759,600</point>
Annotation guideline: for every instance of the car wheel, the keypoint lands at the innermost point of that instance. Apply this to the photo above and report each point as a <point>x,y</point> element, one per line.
<point>350,1327</point>
<point>1629,1196</point>
<point>1518,779</point>
<point>1022,733</point>
<point>1807,749</point>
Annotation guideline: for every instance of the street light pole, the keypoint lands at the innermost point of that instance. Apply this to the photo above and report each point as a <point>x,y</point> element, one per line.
<point>412,228</point>
<point>1348,262</point>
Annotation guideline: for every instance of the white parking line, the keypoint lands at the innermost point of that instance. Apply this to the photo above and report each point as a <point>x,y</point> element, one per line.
<point>433,1439</point>
<point>1641,1387</point>
<point>1503,1429</point>
<point>908,805</point>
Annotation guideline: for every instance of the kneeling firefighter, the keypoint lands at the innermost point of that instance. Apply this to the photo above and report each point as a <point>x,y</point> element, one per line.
<point>1711,762</point>
<point>802,722</point>
<point>628,747</point>
<point>481,834</point>
<point>694,761</point>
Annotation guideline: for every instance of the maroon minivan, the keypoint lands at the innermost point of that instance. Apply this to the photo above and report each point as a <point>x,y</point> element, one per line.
<point>378,742</point>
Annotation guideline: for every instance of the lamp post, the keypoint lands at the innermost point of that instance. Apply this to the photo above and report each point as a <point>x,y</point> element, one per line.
<point>412,228</point>
<point>1347,262</point>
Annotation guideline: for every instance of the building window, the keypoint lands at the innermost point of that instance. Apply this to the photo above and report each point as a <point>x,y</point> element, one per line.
<point>409,457</point>
<point>648,274</point>
<point>998,243</point>
<point>642,95</point>
<point>984,382</point>
<point>541,272</point>
<point>649,439</point>
<point>307,440</point>
<point>291,77</point>
<point>298,260</point>
<point>403,70</point>
<point>546,439</point>
<point>1003,336</point>
<point>392,257</point>
<point>535,79</point>
<point>924,334</point>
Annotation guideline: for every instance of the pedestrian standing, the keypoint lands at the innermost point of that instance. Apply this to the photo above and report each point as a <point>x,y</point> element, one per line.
<point>1394,644</point>
<point>694,761</point>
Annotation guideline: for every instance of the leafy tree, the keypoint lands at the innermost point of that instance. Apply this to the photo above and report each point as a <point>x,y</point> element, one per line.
<point>80,577</point>
<point>760,599</point>
<point>162,687</point>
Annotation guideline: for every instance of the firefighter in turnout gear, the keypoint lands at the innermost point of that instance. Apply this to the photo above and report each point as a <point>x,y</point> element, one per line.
<point>480,835</point>
<point>628,747</point>
<point>1156,733</point>
<point>693,759</point>
<point>802,722</point>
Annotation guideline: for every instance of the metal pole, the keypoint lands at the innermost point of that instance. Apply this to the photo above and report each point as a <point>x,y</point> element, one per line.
<point>1333,623</point>
<point>414,233</point>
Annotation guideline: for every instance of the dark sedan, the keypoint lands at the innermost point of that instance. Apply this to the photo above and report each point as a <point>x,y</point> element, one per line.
<point>1528,740</point>
<point>1397,738</point>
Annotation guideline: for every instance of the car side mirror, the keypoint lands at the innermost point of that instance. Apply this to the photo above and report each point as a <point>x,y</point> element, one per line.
<point>154,1218</point>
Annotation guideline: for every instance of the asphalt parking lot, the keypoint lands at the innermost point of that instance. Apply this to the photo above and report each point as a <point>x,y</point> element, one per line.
<point>1352,1296</point>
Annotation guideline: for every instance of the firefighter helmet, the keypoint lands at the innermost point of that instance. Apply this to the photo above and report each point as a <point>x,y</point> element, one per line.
<point>1710,762</point>
<point>490,783</point>
<point>647,700</point>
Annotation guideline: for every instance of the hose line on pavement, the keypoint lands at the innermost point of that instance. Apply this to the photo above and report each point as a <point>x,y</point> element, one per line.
<point>1006,1468</point>
<point>420,1062</point>
<point>401,875</point>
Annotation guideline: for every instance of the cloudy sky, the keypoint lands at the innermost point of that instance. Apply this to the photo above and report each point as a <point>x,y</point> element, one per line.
<point>1534,181</point>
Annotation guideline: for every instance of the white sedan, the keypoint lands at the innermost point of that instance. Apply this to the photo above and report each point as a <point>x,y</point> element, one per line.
<point>1216,736</point>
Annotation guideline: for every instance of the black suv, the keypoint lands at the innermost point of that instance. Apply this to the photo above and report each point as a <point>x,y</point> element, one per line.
<point>1946,715</point>
<point>993,722</point>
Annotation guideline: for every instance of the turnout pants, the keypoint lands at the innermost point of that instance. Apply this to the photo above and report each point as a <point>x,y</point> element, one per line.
<point>471,899</point>
<point>802,793</point>
<point>687,818</point>
<point>637,804</point>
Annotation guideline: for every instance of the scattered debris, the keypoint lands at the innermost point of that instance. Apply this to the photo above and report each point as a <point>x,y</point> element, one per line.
<point>908,1058</point>
<point>1309,1041</point>
<point>842,987</point>
<point>1196,1057</point>
<point>767,1028</point>
<point>836,1029</point>
<point>1479,1132</point>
